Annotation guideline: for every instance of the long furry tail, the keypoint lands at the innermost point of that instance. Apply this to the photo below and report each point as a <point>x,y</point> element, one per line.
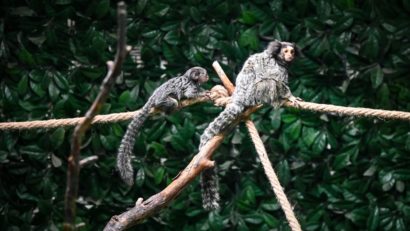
<point>221,122</point>
<point>209,178</point>
<point>210,189</point>
<point>127,144</point>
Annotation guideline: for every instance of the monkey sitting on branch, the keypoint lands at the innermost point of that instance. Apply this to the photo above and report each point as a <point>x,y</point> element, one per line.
<point>165,98</point>
<point>262,80</point>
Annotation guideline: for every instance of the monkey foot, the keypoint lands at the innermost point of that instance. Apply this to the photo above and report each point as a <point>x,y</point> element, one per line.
<point>295,101</point>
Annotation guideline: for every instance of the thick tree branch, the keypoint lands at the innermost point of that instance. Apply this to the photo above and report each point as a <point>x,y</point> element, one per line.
<point>73,169</point>
<point>145,209</point>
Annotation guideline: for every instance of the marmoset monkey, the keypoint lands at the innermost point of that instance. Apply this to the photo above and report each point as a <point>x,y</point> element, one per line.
<point>262,80</point>
<point>165,98</point>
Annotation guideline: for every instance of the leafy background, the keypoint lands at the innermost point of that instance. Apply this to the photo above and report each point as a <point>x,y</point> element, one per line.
<point>340,173</point>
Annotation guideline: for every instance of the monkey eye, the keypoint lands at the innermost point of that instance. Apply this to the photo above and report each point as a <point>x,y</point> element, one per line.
<point>291,51</point>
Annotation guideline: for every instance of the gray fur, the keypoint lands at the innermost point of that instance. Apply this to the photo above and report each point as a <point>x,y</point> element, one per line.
<point>165,98</point>
<point>262,80</point>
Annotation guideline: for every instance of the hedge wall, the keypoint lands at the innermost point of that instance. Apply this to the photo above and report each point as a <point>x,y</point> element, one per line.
<point>340,173</point>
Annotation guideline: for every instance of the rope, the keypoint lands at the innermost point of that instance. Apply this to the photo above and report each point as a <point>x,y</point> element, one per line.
<point>219,99</point>
<point>273,178</point>
<point>353,111</point>
<point>70,122</point>
<point>54,123</point>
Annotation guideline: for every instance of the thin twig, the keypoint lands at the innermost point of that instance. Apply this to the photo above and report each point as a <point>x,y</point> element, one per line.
<point>73,169</point>
<point>88,160</point>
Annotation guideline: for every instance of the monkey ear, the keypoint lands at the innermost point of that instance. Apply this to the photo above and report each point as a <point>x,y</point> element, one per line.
<point>274,47</point>
<point>298,51</point>
<point>194,74</point>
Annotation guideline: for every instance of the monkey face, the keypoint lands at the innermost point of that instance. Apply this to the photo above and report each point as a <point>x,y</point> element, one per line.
<point>198,74</point>
<point>284,52</point>
<point>287,53</point>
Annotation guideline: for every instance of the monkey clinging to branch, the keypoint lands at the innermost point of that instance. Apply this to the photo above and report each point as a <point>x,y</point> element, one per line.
<point>165,98</point>
<point>262,80</point>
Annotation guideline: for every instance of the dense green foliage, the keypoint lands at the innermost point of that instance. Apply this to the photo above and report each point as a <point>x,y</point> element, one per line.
<point>341,173</point>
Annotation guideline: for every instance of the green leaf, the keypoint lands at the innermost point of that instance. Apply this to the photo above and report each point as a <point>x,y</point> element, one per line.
<point>158,148</point>
<point>109,142</point>
<point>400,224</point>
<point>270,220</point>
<point>37,88</point>
<point>22,86</point>
<point>248,17</point>
<point>172,37</point>
<point>93,73</point>
<point>270,206</point>
<point>283,172</point>
<point>140,177</point>
<point>376,76</point>
<point>294,130</point>
<point>63,2</point>
<point>102,8</point>
<point>357,215</point>
<point>249,38</point>
<point>215,221</point>
<point>371,46</point>
<point>125,97</point>
<point>141,6</point>
<point>61,82</point>
<point>254,219</point>
<point>275,119</point>
<point>373,219</point>
<point>159,175</point>
<point>320,143</point>
<point>57,138</point>
<point>341,161</point>
<point>280,32</point>
<point>161,10</point>
<point>53,91</point>
<point>151,34</point>
<point>26,57</point>
<point>289,118</point>
<point>309,135</point>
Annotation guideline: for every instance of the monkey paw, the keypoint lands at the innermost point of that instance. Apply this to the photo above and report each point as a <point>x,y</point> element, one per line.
<point>218,91</point>
<point>295,101</point>
<point>208,95</point>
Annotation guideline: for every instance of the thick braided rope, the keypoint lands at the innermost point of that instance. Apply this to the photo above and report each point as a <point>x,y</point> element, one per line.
<point>353,111</point>
<point>273,178</point>
<point>54,123</point>
<point>70,122</point>
<point>116,117</point>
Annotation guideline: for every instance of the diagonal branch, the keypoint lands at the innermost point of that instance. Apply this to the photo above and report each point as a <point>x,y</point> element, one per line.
<point>73,169</point>
<point>145,209</point>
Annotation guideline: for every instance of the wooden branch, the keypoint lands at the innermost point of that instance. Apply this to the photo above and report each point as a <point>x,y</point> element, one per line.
<point>73,169</point>
<point>145,209</point>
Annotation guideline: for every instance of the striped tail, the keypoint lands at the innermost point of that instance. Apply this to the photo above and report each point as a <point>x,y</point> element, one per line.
<point>127,144</point>
<point>209,178</point>
<point>210,189</point>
